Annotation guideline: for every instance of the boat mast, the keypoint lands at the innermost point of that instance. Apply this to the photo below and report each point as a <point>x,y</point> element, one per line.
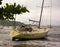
<point>41,14</point>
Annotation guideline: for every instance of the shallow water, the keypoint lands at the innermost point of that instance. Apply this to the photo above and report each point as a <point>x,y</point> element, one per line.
<point>52,39</point>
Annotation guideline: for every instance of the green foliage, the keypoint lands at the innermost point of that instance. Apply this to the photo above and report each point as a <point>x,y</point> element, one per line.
<point>0,2</point>
<point>24,9</point>
<point>8,11</point>
<point>1,13</point>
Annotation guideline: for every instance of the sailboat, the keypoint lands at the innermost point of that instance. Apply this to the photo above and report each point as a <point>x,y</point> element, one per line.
<point>36,33</point>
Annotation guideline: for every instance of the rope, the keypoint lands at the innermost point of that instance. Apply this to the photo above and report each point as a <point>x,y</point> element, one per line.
<point>50,13</point>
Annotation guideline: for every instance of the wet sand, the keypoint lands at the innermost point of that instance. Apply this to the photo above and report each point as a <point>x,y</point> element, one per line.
<point>52,40</point>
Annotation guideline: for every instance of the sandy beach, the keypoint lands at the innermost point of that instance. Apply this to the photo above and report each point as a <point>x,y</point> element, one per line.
<point>52,40</point>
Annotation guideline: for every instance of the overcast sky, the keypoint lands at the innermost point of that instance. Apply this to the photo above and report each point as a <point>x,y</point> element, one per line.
<point>34,6</point>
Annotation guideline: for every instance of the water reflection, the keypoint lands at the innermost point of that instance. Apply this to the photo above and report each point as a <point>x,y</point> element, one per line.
<point>54,35</point>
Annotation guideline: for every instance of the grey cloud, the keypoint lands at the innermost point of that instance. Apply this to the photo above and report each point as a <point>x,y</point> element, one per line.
<point>56,3</point>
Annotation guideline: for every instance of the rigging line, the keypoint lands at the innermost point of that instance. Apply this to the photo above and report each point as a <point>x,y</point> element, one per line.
<point>50,13</point>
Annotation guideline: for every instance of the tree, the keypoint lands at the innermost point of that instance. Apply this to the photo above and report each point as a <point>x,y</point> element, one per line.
<point>11,10</point>
<point>0,2</point>
<point>1,11</point>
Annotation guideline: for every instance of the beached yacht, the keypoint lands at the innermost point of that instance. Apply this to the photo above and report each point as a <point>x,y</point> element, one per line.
<point>30,32</point>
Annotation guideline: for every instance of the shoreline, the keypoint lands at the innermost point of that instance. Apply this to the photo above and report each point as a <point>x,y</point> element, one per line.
<point>53,39</point>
